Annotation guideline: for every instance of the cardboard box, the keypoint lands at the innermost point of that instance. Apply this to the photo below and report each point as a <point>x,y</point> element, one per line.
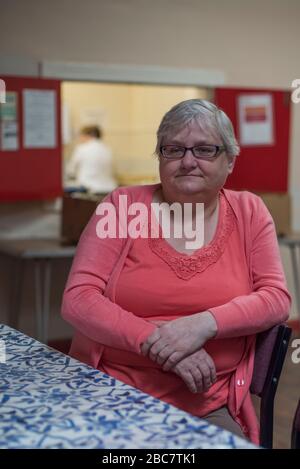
<point>77,209</point>
<point>279,205</point>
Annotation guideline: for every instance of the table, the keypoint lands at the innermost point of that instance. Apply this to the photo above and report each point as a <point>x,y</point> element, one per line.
<point>49,400</point>
<point>293,244</point>
<point>42,252</point>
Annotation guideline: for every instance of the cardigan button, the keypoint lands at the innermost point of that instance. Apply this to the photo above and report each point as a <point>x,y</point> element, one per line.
<point>240,382</point>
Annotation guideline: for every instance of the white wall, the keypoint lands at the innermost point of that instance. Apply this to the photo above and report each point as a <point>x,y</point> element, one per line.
<point>256,43</point>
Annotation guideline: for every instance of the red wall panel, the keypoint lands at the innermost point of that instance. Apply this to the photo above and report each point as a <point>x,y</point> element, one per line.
<point>260,168</point>
<point>29,174</point>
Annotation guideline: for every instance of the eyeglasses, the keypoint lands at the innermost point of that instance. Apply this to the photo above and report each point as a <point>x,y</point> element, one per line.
<point>200,151</point>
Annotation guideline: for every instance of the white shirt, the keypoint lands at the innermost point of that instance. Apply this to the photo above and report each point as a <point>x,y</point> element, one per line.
<point>91,166</point>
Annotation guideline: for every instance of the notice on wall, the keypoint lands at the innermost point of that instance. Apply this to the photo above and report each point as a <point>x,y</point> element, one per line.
<point>9,128</point>
<point>255,117</point>
<point>8,110</point>
<point>9,136</point>
<point>39,107</point>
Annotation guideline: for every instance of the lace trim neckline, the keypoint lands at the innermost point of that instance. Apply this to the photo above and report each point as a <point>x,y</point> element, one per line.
<point>186,266</point>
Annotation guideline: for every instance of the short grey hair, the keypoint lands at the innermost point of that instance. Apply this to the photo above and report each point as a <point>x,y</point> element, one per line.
<point>207,114</point>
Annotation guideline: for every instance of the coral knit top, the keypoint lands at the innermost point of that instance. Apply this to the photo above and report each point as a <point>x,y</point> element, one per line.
<point>156,282</point>
<point>159,283</point>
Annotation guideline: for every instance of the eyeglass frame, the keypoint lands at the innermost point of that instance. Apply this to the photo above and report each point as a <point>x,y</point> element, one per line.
<point>219,150</point>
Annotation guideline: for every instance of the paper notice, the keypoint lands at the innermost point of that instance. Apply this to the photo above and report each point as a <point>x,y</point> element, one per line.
<point>39,118</point>
<point>256,119</point>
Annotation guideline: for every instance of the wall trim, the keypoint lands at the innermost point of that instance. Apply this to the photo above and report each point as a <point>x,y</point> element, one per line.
<point>80,71</point>
<point>18,66</point>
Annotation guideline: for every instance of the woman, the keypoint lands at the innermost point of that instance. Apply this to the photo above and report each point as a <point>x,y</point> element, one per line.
<point>90,166</point>
<point>180,323</point>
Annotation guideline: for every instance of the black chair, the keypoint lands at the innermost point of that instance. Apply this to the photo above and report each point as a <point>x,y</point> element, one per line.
<point>295,440</point>
<point>270,352</point>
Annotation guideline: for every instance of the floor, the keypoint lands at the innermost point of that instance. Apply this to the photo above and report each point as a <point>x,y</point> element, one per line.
<point>288,394</point>
<point>286,400</point>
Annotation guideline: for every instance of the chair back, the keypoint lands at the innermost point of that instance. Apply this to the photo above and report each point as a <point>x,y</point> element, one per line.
<point>270,352</point>
<point>265,342</point>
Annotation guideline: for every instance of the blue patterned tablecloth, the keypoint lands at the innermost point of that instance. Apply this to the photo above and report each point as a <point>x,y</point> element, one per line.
<point>49,400</point>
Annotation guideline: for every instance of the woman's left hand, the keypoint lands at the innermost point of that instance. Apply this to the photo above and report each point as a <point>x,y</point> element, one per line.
<point>177,339</point>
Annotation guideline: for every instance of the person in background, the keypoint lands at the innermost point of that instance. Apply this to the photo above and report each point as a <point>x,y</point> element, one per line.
<point>90,166</point>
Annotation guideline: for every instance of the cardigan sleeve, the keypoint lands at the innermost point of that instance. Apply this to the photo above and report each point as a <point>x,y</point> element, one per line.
<point>269,302</point>
<point>84,305</point>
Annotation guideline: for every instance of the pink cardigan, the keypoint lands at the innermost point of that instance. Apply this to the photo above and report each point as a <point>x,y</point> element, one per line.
<point>89,298</point>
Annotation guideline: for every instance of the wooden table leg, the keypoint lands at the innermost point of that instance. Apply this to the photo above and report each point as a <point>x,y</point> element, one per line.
<point>42,270</point>
<point>17,271</point>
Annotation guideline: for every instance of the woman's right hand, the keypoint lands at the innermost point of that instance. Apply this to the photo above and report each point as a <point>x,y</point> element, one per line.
<point>198,371</point>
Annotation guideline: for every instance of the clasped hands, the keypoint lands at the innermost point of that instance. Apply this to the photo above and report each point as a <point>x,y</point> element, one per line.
<point>177,346</point>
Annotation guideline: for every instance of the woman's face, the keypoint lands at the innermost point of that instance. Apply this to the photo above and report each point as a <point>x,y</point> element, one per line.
<point>190,176</point>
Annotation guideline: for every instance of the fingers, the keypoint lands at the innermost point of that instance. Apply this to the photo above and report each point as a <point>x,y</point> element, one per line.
<point>173,360</point>
<point>193,382</point>
<point>164,354</point>
<point>206,377</point>
<point>197,371</point>
<point>212,368</point>
<point>160,352</point>
<point>159,355</point>
<point>208,370</point>
<point>149,342</point>
<point>198,379</point>
<point>190,381</point>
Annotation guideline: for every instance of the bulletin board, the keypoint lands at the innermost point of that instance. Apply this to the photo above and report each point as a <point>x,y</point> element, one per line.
<point>261,119</point>
<point>30,140</point>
